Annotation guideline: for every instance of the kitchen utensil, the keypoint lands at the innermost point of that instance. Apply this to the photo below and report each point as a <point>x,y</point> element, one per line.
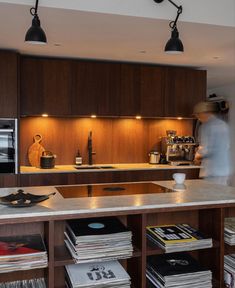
<point>154,157</point>
<point>47,160</point>
<point>23,199</point>
<point>35,151</point>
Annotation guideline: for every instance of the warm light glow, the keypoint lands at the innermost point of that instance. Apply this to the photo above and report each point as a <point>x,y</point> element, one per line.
<point>179,118</point>
<point>44,115</point>
<point>93,116</point>
<point>138,117</point>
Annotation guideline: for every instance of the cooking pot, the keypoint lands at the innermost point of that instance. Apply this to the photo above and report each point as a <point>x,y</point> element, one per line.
<point>47,160</point>
<point>154,157</point>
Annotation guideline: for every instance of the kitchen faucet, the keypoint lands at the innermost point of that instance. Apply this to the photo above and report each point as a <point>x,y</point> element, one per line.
<point>90,152</point>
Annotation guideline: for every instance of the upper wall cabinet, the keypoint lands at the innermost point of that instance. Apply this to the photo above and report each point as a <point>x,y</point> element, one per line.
<point>152,91</point>
<point>45,86</point>
<point>64,87</point>
<point>95,88</point>
<point>184,87</point>
<point>129,96</point>
<point>8,83</point>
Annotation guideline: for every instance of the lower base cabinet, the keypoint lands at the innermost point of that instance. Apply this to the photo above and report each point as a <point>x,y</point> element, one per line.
<point>209,220</point>
<point>47,179</point>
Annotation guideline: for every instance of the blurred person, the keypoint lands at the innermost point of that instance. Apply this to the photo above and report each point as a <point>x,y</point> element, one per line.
<point>214,144</point>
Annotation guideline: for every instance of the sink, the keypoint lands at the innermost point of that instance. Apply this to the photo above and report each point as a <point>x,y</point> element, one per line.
<point>106,167</point>
<point>89,167</point>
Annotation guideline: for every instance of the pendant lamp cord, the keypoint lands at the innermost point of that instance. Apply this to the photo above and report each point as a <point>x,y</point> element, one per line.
<point>34,10</point>
<point>172,24</point>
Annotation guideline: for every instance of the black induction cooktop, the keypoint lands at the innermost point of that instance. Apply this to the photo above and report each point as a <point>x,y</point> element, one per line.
<point>97,190</point>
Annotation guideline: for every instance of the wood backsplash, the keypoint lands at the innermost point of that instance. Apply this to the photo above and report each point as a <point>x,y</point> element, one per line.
<point>114,140</point>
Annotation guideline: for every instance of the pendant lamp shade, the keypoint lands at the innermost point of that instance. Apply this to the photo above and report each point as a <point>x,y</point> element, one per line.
<point>35,34</point>
<point>174,45</point>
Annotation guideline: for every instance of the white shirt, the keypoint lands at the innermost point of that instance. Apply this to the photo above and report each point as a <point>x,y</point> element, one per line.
<point>214,148</point>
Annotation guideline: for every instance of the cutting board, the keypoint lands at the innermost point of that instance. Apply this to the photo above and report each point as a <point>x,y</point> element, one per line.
<point>35,151</point>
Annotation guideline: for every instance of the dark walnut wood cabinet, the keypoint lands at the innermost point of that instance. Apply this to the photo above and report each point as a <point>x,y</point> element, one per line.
<point>8,84</point>
<point>45,86</point>
<point>184,87</point>
<point>65,87</point>
<point>152,91</point>
<point>47,179</point>
<point>95,88</point>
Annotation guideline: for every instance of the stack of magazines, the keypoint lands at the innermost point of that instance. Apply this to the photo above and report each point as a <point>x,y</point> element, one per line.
<point>98,239</point>
<point>177,270</point>
<point>109,274</point>
<point>180,237</point>
<point>229,270</point>
<point>22,253</point>
<point>229,231</point>
<point>37,283</point>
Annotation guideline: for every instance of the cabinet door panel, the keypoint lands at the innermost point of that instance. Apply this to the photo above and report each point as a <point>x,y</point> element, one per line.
<point>45,86</point>
<point>129,98</point>
<point>57,87</point>
<point>183,89</point>
<point>8,84</point>
<point>95,88</point>
<point>152,91</point>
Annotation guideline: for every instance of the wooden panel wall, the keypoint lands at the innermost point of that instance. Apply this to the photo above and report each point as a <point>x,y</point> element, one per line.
<point>114,140</point>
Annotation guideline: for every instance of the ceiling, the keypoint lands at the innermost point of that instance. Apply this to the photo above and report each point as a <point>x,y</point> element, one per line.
<point>94,35</point>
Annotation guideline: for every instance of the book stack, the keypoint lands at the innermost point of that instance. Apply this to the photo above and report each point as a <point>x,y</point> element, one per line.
<point>229,231</point>
<point>109,274</point>
<point>98,239</point>
<point>177,270</point>
<point>22,253</point>
<point>32,283</point>
<point>229,270</point>
<point>180,237</point>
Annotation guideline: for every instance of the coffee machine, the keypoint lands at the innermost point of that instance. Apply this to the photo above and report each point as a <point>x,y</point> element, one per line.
<point>179,150</point>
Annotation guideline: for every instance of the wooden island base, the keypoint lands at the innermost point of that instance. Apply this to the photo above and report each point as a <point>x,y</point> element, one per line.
<point>208,218</point>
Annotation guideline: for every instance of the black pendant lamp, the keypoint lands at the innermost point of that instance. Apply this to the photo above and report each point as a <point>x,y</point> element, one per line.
<point>35,34</point>
<point>174,45</point>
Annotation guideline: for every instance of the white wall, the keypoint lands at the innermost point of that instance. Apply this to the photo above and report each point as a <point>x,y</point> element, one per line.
<point>228,93</point>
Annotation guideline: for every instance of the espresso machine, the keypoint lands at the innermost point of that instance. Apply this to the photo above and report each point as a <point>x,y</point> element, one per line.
<point>179,150</point>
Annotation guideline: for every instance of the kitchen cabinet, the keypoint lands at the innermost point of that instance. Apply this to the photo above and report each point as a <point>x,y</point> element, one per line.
<point>65,87</point>
<point>152,91</point>
<point>184,87</point>
<point>129,97</point>
<point>8,84</point>
<point>8,180</point>
<point>45,86</point>
<point>47,179</point>
<point>95,88</point>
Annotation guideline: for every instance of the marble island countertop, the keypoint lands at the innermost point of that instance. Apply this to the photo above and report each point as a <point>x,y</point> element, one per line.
<point>106,167</point>
<point>196,193</point>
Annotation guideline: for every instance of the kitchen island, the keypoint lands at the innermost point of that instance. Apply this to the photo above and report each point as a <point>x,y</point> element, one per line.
<point>201,204</point>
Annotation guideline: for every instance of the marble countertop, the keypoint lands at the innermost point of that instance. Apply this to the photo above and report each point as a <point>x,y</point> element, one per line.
<point>195,193</point>
<point>117,167</point>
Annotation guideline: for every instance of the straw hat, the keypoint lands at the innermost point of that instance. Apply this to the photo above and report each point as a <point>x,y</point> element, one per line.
<point>205,106</point>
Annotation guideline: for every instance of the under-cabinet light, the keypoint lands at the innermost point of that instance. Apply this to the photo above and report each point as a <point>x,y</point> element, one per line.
<point>138,117</point>
<point>93,116</point>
